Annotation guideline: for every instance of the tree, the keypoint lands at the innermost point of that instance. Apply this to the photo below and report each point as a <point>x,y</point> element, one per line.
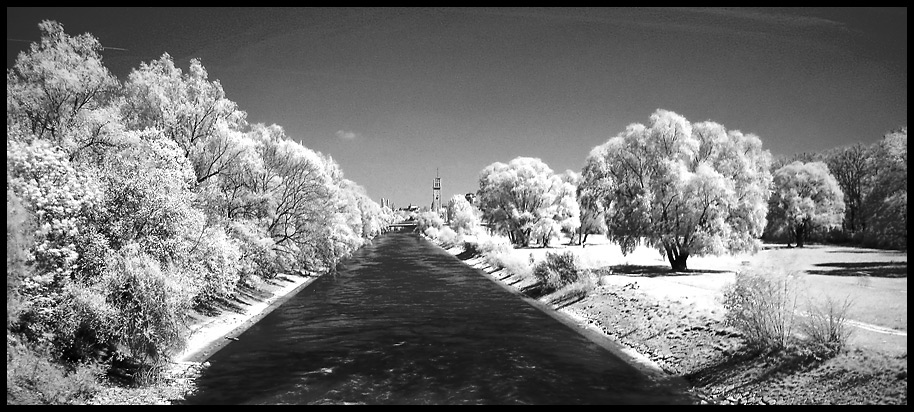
<point>854,170</point>
<point>568,209</point>
<point>886,205</point>
<point>589,195</point>
<point>806,198</point>
<point>515,197</point>
<point>464,217</point>
<point>684,189</point>
<point>58,197</point>
<point>189,109</point>
<point>60,91</point>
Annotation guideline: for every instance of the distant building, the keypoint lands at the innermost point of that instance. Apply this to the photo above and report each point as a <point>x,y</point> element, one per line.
<point>471,197</point>
<point>436,193</point>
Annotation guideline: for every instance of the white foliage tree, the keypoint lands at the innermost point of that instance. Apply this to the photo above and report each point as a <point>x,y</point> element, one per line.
<point>806,197</point>
<point>521,197</point>
<point>684,189</point>
<point>464,217</point>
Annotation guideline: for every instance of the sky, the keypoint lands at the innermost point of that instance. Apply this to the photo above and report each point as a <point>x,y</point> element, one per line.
<point>396,94</point>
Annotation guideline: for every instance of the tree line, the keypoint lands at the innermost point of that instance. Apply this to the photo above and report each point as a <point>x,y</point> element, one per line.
<point>691,189</point>
<point>130,203</point>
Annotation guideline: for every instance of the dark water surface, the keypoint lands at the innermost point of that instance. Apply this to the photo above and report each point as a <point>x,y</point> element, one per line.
<point>404,322</point>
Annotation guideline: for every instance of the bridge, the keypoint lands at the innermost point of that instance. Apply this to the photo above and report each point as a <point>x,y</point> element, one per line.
<point>403,226</point>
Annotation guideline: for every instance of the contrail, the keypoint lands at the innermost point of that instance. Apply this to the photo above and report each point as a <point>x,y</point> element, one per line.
<point>103,47</point>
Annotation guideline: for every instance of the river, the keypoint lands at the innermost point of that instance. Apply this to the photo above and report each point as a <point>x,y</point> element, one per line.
<point>405,322</point>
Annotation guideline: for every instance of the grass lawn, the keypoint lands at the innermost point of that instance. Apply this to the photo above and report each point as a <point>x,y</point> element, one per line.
<point>874,280</point>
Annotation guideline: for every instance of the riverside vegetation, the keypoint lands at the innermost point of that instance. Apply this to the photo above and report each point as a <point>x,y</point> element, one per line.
<point>133,204</point>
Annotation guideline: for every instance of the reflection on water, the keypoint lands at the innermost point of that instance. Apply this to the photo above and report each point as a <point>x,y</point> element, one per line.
<point>404,322</point>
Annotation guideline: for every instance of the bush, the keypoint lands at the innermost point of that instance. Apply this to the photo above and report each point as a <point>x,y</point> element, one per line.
<point>493,245</point>
<point>150,301</point>
<point>431,233</point>
<point>762,307</point>
<point>217,258</point>
<point>514,264</point>
<point>428,220</point>
<point>84,324</point>
<point>32,379</point>
<point>826,326</point>
<point>18,242</point>
<point>556,271</point>
<point>256,247</point>
<point>447,237</point>
<point>471,248</point>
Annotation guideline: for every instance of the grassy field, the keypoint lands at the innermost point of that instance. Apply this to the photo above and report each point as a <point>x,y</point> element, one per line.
<point>875,281</point>
<point>675,321</point>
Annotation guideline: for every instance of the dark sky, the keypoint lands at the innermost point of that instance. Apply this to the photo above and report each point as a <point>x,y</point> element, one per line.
<point>393,94</point>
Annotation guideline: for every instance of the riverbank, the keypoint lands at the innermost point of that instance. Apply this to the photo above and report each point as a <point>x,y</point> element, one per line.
<point>209,329</point>
<point>674,325</point>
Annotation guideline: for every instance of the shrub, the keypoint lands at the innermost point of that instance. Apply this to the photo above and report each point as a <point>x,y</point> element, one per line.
<point>431,233</point>
<point>18,242</point>
<point>217,258</point>
<point>762,307</point>
<point>514,264</point>
<point>84,323</point>
<point>826,326</point>
<point>447,237</point>
<point>150,301</point>
<point>33,379</point>
<point>556,271</point>
<point>256,247</point>
<point>427,220</point>
<point>471,248</point>
<point>493,245</point>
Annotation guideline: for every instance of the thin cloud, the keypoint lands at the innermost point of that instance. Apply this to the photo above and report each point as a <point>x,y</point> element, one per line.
<point>342,134</point>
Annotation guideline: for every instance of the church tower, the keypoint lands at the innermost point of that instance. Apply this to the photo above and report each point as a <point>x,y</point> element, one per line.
<point>436,192</point>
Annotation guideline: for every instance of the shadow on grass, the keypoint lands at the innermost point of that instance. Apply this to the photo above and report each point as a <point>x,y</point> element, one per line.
<point>535,291</point>
<point>466,254</point>
<point>777,247</point>
<point>872,251</point>
<point>872,269</point>
<point>566,299</point>
<point>750,366</point>
<point>652,271</point>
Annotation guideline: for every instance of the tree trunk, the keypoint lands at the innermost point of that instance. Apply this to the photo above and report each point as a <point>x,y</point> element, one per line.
<point>800,233</point>
<point>677,258</point>
<point>679,264</point>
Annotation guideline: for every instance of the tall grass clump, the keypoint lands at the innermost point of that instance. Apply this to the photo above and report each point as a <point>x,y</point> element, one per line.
<point>493,245</point>
<point>556,271</point>
<point>825,326</point>
<point>512,263</point>
<point>762,306</point>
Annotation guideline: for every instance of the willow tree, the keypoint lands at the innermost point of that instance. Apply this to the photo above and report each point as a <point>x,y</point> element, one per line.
<point>684,189</point>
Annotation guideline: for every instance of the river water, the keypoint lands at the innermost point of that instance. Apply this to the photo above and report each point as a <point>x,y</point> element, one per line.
<point>404,322</point>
